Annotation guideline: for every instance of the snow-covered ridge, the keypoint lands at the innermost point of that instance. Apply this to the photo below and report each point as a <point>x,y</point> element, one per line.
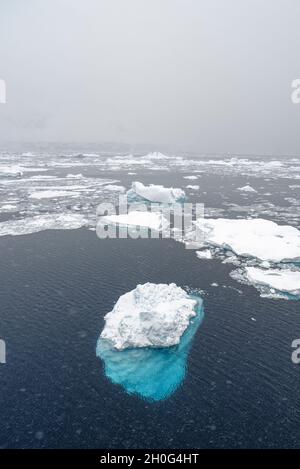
<point>151,315</point>
<point>155,193</point>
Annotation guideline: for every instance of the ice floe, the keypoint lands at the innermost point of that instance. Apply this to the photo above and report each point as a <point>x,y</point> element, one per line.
<point>151,315</point>
<point>49,194</point>
<point>74,176</point>
<point>282,280</point>
<point>153,220</point>
<point>276,283</point>
<point>257,238</point>
<point>204,254</point>
<point>28,225</point>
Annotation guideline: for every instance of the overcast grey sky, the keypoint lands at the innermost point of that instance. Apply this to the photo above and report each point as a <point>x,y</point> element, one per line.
<point>208,75</point>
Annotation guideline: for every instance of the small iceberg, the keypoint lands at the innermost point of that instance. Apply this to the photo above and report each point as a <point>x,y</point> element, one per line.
<point>151,315</point>
<point>247,188</point>
<point>147,337</point>
<point>154,193</point>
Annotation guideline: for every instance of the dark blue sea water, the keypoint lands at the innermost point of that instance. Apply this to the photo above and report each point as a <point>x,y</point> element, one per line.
<point>240,389</point>
<point>238,386</point>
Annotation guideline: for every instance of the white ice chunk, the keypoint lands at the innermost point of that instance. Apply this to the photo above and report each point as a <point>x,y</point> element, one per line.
<point>153,220</point>
<point>247,188</point>
<point>61,221</point>
<point>49,194</point>
<point>74,176</point>
<point>156,193</point>
<point>258,238</point>
<point>151,315</point>
<point>204,254</point>
<point>283,280</point>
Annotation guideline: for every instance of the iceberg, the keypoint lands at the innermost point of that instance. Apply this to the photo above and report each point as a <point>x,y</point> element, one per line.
<point>151,315</point>
<point>247,188</point>
<point>281,280</point>
<point>155,193</point>
<point>151,372</point>
<point>257,238</point>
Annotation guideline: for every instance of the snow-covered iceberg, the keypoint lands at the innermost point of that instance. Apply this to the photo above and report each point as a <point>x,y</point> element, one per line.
<point>154,193</point>
<point>256,238</point>
<point>151,315</point>
<point>152,372</point>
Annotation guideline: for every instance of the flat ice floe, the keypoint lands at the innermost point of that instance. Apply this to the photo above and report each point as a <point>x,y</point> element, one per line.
<point>204,254</point>
<point>281,280</point>
<point>155,193</point>
<point>51,194</point>
<point>152,220</point>
<point>114,188</point>
<point>28,225</point>
<point>256,238</point>
<point>151,315</point>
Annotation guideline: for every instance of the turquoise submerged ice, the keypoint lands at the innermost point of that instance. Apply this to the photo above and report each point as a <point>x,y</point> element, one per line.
<point>154,372</point>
